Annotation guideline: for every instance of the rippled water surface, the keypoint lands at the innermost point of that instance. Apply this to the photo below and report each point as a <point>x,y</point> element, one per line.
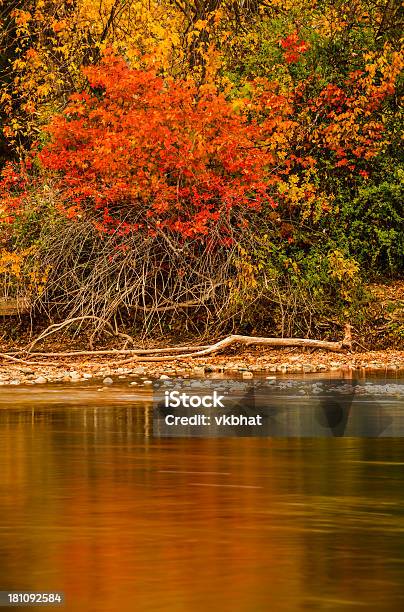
<point>91,504</point>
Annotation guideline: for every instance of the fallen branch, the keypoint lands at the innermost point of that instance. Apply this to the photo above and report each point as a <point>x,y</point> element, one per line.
<point>251,340</point>
<point>25,362</point>
<point>181,352</point>
<point>247,341</point>
<point>134,352</point>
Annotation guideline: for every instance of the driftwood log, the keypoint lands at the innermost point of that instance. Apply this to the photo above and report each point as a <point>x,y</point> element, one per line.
<point>14,306</point>
<point>177,352</point>
<point>345,344</point>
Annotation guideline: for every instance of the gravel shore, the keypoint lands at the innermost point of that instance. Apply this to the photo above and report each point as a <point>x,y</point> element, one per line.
<point>245,365</point>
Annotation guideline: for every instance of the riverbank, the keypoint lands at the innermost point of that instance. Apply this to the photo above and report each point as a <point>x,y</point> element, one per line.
<point>246,364</point>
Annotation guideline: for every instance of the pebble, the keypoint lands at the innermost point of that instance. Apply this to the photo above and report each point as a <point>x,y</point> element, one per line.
<point>40,380</point>
<point>107,381</point>
<point>164,377</point>
<point>247,375</point>
<point>136,371</point>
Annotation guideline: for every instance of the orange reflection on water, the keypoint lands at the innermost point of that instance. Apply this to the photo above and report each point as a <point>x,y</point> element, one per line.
<point>119,521</point>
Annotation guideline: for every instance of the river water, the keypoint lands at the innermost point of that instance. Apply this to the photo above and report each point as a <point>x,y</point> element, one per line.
<point>94,506</point>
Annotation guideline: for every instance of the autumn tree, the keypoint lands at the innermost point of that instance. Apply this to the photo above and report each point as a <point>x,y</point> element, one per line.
<point>45,43</point>
<point>137,152</point>
<point>221,157</point>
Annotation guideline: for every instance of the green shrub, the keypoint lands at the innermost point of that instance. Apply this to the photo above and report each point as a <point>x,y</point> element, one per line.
<point>373,223</point>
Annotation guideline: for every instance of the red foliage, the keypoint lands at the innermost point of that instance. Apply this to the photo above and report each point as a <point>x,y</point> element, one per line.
<point>13,185</point>
<point>139,152</point>
<point>293,47</point>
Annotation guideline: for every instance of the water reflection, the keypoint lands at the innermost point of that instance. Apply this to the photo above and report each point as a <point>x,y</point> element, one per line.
<point>93,505</point>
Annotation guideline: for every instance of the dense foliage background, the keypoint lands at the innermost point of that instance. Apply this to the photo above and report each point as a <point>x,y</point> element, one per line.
<point>180,166</point>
